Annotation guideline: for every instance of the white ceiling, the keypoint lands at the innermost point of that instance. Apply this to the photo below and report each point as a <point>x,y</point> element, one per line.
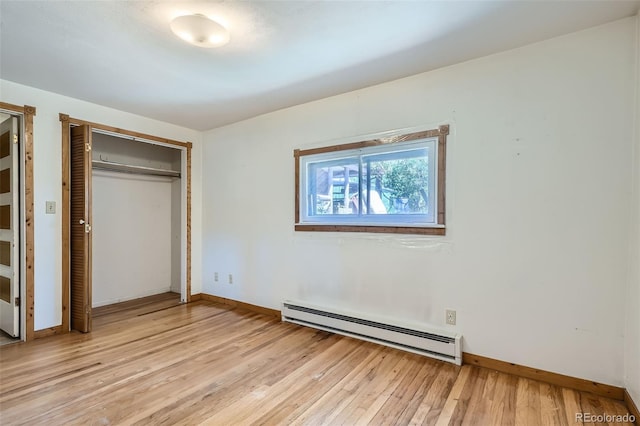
<point>122,54</point>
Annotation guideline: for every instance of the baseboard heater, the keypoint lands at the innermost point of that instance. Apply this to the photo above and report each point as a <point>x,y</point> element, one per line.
<point>442,345</point>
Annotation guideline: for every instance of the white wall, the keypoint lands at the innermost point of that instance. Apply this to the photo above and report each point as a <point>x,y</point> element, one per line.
<point>132,236</point>
<point>538,182</point>
<point>632,325</point>
<point>176,234</point>
<point>48,184</point>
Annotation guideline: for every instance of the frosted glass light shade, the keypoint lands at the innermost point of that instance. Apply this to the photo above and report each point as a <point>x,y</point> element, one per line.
<point>200,31</point>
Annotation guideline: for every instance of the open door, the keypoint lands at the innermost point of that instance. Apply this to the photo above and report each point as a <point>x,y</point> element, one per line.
<point>80,262</point>
<point>9,228</point>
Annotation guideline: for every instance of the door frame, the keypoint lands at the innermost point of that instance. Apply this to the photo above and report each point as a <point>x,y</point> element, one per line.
<point>67,122</point>
<point>27,275</point>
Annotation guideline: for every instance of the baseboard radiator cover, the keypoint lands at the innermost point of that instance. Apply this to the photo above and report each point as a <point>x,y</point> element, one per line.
<point>439,344</point>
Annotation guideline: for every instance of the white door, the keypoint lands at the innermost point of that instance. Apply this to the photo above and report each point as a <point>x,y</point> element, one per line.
<point>9,227</point>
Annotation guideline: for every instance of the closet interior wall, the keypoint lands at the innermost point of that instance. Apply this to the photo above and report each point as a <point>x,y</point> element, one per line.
<point>136,220</point>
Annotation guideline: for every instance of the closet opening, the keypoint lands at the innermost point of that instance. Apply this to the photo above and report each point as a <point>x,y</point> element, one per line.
<point>126,200</point>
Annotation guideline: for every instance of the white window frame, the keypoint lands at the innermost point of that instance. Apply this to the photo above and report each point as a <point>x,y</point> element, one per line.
<point>430,223</point>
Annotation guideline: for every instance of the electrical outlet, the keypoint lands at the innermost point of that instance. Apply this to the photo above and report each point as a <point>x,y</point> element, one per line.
<point>230,279</point>
<point>451,317</point>
<point>215,276</point>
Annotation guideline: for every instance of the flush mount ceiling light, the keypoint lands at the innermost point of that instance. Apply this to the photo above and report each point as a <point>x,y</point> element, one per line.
<point>200,30</point>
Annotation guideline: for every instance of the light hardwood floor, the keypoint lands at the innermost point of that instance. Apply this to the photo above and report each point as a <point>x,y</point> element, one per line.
<point>159,363</point>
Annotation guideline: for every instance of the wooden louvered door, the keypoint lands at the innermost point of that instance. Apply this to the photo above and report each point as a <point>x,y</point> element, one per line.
<point>9,228</point>
<point>80,261</point>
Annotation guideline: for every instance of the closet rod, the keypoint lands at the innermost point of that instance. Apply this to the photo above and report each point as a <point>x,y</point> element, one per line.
<point>126,168</point>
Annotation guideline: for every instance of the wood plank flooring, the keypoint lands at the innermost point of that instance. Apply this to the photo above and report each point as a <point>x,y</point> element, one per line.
<point>162,363</point>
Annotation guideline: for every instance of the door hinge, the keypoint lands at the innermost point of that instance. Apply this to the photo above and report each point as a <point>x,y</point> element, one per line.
<point>15,138</point>
<point>17,301</point>
<point>87,147</point>
<point>87,309</point>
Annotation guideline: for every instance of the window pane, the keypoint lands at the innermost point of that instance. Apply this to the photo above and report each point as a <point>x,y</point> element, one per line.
<point>396,183</point>
<point>333,187</point>
<point>387,186</point>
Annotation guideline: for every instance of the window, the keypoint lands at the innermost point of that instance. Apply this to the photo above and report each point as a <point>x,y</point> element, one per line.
<point>393,185</point>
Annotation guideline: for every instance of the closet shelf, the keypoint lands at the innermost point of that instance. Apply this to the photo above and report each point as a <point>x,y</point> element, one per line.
<point>127,168</point>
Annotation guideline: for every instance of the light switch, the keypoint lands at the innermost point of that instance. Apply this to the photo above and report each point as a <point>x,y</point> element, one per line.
<point>51,207</point>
